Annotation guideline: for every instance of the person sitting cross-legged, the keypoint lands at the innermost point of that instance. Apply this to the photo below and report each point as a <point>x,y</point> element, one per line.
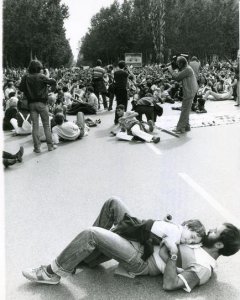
<point>68,131</point>
<point>22,123</point>
<point>89,107</point>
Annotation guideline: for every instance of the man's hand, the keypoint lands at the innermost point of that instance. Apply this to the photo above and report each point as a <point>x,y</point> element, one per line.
<point>171,246</point>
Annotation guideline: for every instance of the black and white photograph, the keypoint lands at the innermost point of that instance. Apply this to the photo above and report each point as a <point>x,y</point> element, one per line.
<point>120,143</point>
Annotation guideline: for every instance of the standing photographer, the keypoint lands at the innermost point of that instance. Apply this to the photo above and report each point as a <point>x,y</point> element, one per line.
<point>190,87</point>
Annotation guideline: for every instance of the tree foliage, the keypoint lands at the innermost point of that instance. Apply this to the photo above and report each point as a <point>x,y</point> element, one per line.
<point>35,28</point>
<point>198,27</point>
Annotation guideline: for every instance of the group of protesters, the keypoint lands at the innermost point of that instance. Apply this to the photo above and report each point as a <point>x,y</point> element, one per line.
<point>53,94</point>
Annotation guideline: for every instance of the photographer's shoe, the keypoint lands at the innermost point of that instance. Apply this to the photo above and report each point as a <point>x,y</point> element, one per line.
<point>41,275</point>
<point>179,131</point>
<point>37,150</point>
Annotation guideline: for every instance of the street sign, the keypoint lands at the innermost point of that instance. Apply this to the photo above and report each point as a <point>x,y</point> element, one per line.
<point>134,59</point>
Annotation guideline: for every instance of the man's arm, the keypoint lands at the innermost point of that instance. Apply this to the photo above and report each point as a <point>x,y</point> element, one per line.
<point>182,74</point>
<point>186,280</point>
<point>171,281</point>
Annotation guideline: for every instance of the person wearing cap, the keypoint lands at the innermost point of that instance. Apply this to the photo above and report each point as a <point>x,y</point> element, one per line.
<point>190,87</point>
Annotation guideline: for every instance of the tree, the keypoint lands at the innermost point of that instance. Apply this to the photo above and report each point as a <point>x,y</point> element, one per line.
<point>35,28</point>
<point>158,27</point>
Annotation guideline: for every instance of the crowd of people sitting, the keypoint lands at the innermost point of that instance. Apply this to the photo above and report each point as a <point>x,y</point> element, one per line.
<point>81,91</point>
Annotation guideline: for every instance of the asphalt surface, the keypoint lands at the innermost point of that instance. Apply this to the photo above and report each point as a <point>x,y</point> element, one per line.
<point>50,197</point>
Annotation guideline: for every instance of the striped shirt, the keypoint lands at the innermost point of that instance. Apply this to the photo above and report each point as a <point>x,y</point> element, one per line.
<point>98,72</point>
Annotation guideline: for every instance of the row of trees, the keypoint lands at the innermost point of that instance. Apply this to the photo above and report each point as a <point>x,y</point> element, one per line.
<point>35,28</point>
<point>159,28</point>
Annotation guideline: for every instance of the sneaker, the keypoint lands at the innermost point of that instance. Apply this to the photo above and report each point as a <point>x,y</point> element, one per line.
<point>155,139</point>
<point>41,275</point>
<point>19,154</point>
<point>52,147</point>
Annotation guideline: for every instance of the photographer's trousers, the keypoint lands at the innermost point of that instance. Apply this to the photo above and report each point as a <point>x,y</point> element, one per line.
<point>183,122</point>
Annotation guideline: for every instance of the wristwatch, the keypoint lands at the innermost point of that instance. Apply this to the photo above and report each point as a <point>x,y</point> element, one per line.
<point>173,257</point>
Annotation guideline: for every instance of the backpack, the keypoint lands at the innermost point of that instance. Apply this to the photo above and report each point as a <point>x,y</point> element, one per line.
<point>26,126</point>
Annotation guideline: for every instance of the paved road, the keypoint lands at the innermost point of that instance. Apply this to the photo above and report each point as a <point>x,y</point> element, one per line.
<point>50,197</point>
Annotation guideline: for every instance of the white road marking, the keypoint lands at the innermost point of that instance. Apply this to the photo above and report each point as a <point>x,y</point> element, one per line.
<point>153,148</point>
<point>214,203</point>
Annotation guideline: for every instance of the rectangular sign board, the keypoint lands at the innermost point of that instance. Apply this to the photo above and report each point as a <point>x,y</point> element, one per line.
<point>134,59</point>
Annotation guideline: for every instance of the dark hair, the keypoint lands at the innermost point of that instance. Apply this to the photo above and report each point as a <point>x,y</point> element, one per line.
<point>195,225</point>
<point>65,89</point>
<point>99,62</point>
<point>23,105</point>
<point>120,106</point>
<point>90,89</point>
<point>12,94</point>
<point>230,237</point>
<point>121,64</point>
<point>35,66</point>
<point>59,118</point>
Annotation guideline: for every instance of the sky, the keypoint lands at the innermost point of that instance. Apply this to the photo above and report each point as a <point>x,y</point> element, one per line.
<point>81,12</point>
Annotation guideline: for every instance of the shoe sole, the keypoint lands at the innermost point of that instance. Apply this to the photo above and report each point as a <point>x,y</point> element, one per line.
<point>37,151</point>
<point>41,281</point>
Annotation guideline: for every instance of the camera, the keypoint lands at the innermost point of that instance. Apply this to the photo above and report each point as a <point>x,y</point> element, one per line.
<point>173,62</point>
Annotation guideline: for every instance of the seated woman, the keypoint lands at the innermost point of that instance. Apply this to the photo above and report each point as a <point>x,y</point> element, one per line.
<point>87,107</point>
<point>22,122</point>
<point>226,95</point>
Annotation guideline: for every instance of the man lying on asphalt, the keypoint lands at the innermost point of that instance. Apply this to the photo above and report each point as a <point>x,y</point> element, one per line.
<point>183,266</point>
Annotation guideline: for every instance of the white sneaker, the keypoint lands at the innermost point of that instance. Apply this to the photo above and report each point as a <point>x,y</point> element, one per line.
<point>41,275</point>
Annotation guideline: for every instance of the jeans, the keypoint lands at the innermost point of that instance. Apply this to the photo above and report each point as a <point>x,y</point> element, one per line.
<point>97,244</point>
<point>36,109</point>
